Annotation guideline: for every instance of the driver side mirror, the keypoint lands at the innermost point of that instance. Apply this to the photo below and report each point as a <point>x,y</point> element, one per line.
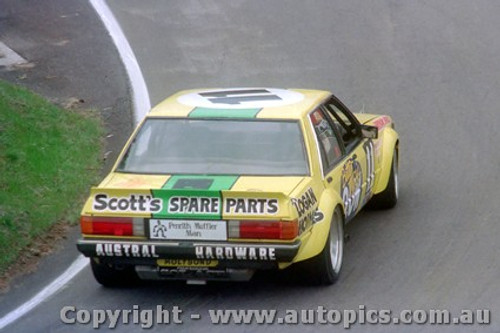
<point>369,132</point>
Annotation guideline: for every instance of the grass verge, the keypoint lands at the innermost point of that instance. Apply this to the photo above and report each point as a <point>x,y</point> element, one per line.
<point>48,158</point>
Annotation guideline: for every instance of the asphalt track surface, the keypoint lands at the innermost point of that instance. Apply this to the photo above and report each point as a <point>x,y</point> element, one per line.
<point>432,65</point>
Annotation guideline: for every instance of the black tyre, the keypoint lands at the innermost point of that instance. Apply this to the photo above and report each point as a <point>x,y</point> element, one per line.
<point>112,276</point>
<point>389,197</point>
<point>324,269</point>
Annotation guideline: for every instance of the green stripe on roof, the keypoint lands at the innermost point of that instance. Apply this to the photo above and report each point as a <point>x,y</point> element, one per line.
<point>223,113</point>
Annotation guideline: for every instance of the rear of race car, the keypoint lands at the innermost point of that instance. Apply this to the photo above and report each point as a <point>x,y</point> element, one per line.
<point>193,227</point>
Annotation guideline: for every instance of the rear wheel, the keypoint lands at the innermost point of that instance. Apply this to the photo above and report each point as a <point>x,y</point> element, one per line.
<point>389,197</point>
<point>113,276</point>
<point>325,267</point>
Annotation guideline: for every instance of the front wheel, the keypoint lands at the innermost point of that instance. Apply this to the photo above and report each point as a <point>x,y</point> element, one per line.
<point>325,267</point>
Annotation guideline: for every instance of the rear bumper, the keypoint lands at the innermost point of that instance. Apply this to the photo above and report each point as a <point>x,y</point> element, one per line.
<point>238,255</point>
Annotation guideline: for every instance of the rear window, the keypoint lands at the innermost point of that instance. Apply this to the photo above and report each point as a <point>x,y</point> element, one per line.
<point>206,146</point>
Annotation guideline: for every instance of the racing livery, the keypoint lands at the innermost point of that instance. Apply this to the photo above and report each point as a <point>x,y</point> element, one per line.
<point>215,184</point>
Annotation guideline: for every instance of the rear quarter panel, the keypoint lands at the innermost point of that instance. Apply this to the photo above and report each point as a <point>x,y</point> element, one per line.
<point>319,218</point>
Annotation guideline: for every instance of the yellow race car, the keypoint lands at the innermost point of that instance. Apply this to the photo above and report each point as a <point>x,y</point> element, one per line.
<point>215,184</point>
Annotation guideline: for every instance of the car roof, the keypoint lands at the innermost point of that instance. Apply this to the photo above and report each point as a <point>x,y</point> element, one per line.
<point>266,103</point>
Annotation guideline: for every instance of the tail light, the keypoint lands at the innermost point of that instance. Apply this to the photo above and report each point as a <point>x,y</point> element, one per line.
<point>112,226</point>
<point>263,229</point>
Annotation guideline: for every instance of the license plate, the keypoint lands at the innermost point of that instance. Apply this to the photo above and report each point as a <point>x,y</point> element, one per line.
<point>186,263</point>
<point>187,229</point>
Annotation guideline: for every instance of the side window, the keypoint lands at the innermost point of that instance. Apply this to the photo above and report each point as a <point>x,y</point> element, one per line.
<point>344,121</point>
<point>328,144</point>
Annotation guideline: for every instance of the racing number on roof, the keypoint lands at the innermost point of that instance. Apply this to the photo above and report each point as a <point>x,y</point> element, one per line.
<point>241,98</point>
<point>236,97</point>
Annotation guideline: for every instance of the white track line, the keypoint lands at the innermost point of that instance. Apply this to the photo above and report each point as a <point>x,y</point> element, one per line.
<point>75,268</point>
<point>142,105</point>
<point>140,95</point>
<point>9,57</point>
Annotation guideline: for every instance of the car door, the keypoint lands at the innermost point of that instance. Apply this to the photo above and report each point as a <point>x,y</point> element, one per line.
<point>357,172</point>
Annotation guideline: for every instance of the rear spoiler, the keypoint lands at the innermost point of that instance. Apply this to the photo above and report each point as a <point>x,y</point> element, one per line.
<point>188,203</point>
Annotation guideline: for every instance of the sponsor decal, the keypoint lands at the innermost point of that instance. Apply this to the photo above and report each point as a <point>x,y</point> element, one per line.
<point>133,203</point>
<point>125,250</point>
<point>187,196</point>
<point>305,202</point>
<point>194,205</point>
<point>251,206</point>
<point>350,185</point>
<point>235,253</point>
<point>202,204</point>
<point>185,229</point>
<point>241,98</point>
<point>186,263</point>
<point>186,205</point>
<point>305,208</point>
